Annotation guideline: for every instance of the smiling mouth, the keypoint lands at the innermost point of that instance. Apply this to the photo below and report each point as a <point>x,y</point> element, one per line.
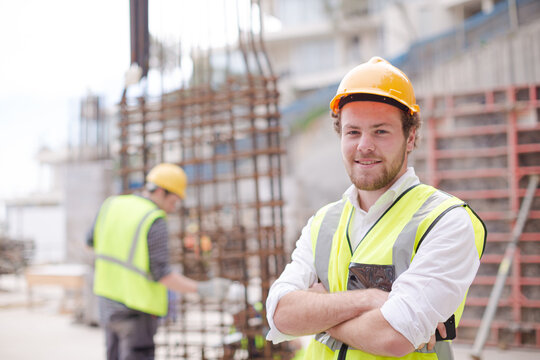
<point>367,162</point>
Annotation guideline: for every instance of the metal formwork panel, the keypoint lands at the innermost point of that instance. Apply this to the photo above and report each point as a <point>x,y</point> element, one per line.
<point>481,147</point>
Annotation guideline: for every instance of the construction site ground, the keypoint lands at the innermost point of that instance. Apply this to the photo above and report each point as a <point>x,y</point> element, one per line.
<point>48,330</point>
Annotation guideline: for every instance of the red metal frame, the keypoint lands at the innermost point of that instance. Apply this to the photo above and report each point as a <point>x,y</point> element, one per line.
<point>440,125</point>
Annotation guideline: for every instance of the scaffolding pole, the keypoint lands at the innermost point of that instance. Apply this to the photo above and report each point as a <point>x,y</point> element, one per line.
<point>504,269</point>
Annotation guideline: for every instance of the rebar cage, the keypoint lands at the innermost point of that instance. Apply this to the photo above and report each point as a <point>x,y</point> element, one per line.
<point>223,128</point>
<point>231,222</point>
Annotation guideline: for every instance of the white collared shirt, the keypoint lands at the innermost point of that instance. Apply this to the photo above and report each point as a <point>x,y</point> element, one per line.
<point>427,293</point>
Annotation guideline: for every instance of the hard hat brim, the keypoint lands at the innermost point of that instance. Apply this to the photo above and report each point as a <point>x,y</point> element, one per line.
<point>370,95</point>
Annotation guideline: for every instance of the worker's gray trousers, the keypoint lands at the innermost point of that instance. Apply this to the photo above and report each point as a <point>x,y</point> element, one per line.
<point>130,336</point>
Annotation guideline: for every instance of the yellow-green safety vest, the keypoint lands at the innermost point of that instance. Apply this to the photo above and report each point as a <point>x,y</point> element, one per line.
<point>122,269</point>
<point>393,240</point>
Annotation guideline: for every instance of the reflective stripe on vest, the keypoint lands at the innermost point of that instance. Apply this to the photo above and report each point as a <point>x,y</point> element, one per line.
<point>122,261</point>
<point>392,240</point>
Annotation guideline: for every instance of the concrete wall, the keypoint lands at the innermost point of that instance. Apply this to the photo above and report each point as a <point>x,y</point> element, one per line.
<point>314,173</point>
<point>87,184</point>
<point>509,59</point>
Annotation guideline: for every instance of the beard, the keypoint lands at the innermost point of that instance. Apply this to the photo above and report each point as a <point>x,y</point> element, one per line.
<point>371,181</point>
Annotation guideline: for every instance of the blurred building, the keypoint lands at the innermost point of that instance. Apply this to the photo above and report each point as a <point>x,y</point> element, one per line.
<point>27,217</point>
<point>313,43</point>
<point>79,175</point>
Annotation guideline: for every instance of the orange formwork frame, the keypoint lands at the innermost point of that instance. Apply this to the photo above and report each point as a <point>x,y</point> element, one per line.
<point>482,146</point>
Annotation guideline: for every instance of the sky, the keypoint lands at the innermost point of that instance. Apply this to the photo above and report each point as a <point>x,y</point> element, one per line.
<point>53,53</point>
<point>56,51</point>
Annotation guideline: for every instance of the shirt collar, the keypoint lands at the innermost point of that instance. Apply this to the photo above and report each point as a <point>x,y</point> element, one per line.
<point>405,181</point>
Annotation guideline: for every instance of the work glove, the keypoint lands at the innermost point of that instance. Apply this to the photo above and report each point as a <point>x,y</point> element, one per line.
<point>216,288</point>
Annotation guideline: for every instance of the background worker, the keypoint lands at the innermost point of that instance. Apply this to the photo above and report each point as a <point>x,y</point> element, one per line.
<point>388,231</point>
<point>132,271</point>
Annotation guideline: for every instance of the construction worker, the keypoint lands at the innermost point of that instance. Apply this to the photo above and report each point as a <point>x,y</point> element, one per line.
<point>394,257</point>
<point>132,272</point>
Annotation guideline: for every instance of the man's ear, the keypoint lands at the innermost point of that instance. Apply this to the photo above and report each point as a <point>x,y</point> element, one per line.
<point>410,140</point>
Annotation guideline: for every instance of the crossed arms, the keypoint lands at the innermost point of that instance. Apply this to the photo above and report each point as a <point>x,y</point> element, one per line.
<point>352,317</point>
<point>426,294</point>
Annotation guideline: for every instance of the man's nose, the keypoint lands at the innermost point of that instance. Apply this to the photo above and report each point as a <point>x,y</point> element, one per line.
<point>365,144</point>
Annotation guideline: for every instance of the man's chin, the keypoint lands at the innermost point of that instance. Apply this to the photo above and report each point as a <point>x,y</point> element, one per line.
<point>369,184</point>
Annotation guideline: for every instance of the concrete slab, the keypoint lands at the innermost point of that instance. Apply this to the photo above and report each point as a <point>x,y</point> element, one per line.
<point>37,334</point>
<point>44,331</point>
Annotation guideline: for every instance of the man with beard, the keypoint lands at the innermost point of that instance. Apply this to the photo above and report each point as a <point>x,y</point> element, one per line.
<point>377,273</point>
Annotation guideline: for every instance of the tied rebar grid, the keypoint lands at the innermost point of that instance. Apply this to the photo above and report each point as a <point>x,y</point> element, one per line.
<point>223,128</point>
<point>231,222</point>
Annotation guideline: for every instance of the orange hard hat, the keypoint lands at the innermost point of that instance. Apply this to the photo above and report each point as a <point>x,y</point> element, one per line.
<point>170,177</point>
<point>376,80</point>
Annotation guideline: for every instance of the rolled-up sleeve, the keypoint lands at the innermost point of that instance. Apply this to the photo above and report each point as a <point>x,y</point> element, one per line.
<point>299,274</point>
<point>436,282</point>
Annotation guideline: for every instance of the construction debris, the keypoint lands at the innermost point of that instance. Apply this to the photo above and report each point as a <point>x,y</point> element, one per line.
<point>15,255</point>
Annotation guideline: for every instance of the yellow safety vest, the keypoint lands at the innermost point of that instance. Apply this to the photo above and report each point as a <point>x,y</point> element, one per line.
<point>122,271</point>
<point>393,240</point>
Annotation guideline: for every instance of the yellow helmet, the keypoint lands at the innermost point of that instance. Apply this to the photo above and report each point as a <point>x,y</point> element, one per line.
<point>170,177</point>
<point>379,78</point>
